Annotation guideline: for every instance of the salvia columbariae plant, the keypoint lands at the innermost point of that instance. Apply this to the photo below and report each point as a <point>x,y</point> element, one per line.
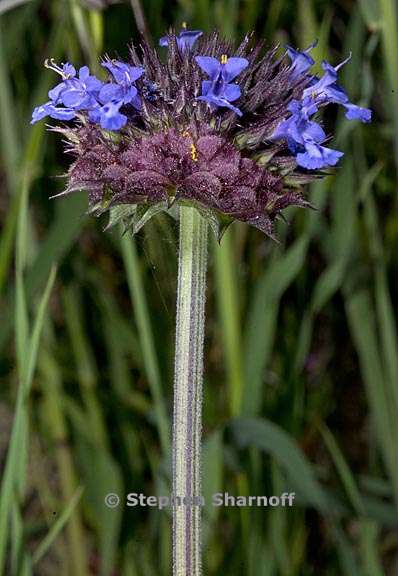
<point>210,134</point>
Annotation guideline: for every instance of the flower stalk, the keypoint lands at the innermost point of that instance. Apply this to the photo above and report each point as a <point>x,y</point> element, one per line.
<point>188,392</point>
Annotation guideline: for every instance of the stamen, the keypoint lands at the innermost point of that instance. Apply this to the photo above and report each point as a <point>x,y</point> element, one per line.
<point>224,59</point>
<point>52,65</point>
<point>184,25</point>
<point>194,153</point>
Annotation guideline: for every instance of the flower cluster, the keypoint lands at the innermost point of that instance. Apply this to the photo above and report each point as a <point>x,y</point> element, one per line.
<point>234,132</point>
<point>85,93</point>
<point>303,135</point>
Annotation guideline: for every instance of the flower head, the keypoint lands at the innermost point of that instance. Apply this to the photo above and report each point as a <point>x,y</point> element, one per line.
<point>235,136</point>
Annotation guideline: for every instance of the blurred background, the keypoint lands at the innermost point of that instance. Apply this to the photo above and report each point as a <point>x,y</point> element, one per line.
<point>301,385</point>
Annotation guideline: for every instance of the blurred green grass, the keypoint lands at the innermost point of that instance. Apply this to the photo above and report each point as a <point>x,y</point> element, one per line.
<point>301,343</point>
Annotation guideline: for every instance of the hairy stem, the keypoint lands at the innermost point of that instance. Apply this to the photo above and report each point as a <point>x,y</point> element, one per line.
<point>188,390</point>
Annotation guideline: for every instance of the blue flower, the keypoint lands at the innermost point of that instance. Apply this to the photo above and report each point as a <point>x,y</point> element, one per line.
<point>114,95</point>
<point>124,91</point>
<point>109,116</point>
<point>123,73</point>
<point>79,93</point>
<point>219,90</point>
<point>326,90</point>
<point>317,156</point>
<point>301,60</point>
<point>305,137</point>
<point>70,95</point>
<point>185,40</point>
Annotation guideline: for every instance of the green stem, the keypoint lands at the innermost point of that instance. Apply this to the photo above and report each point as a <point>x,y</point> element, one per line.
<point>188,391</point>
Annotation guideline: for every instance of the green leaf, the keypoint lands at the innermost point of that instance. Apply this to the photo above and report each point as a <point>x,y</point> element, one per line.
<point>57,527</point>
<point>268,437</point>
<point>261,324</point>
<point>212,474</point>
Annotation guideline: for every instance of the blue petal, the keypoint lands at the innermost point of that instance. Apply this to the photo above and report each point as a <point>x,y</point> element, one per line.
<point>319,87</point>
<point>93,85</point>
<point>68,70</point>
<point>55,93</point>
<point>304,108</point>
<point>75,98</point>
<point>136,102</point>
<point>114,122</point>
<point>135,72</point>
<point>233,67</point>
<point>84,73</point>
<point>62,113</point>
<point>301,60</point>
<point>206,87</point>
<point>317,156</point>
<point>111,118</point>
<point>95,114</point>
<point>219,102</point>
<point>123,73</point>
<point>187,39</point>
<point>49,109</point>
<point>231,92</point>
<point>314,132</point>
<point>282,130</point>
<point>354,112</point>
<point>111,92</point>
<point>40,112</point>
<point>129,95</point>
<point>209,65</point>
<point>335,94</point>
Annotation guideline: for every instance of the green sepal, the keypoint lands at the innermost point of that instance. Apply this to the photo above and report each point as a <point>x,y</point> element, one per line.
<point>134,216</point>
<point>122,213</point>
<point>297,180</point>
<point>144,213</point>
<point>102,206</point>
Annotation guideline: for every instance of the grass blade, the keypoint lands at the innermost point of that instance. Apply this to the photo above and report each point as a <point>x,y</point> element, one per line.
<point>57,527</point>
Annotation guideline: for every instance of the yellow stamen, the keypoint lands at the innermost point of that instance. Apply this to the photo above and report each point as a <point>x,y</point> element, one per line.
<point>184,25</point>
<point>224,59</point>
<point>185,134</point>
<point>194,153</point>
